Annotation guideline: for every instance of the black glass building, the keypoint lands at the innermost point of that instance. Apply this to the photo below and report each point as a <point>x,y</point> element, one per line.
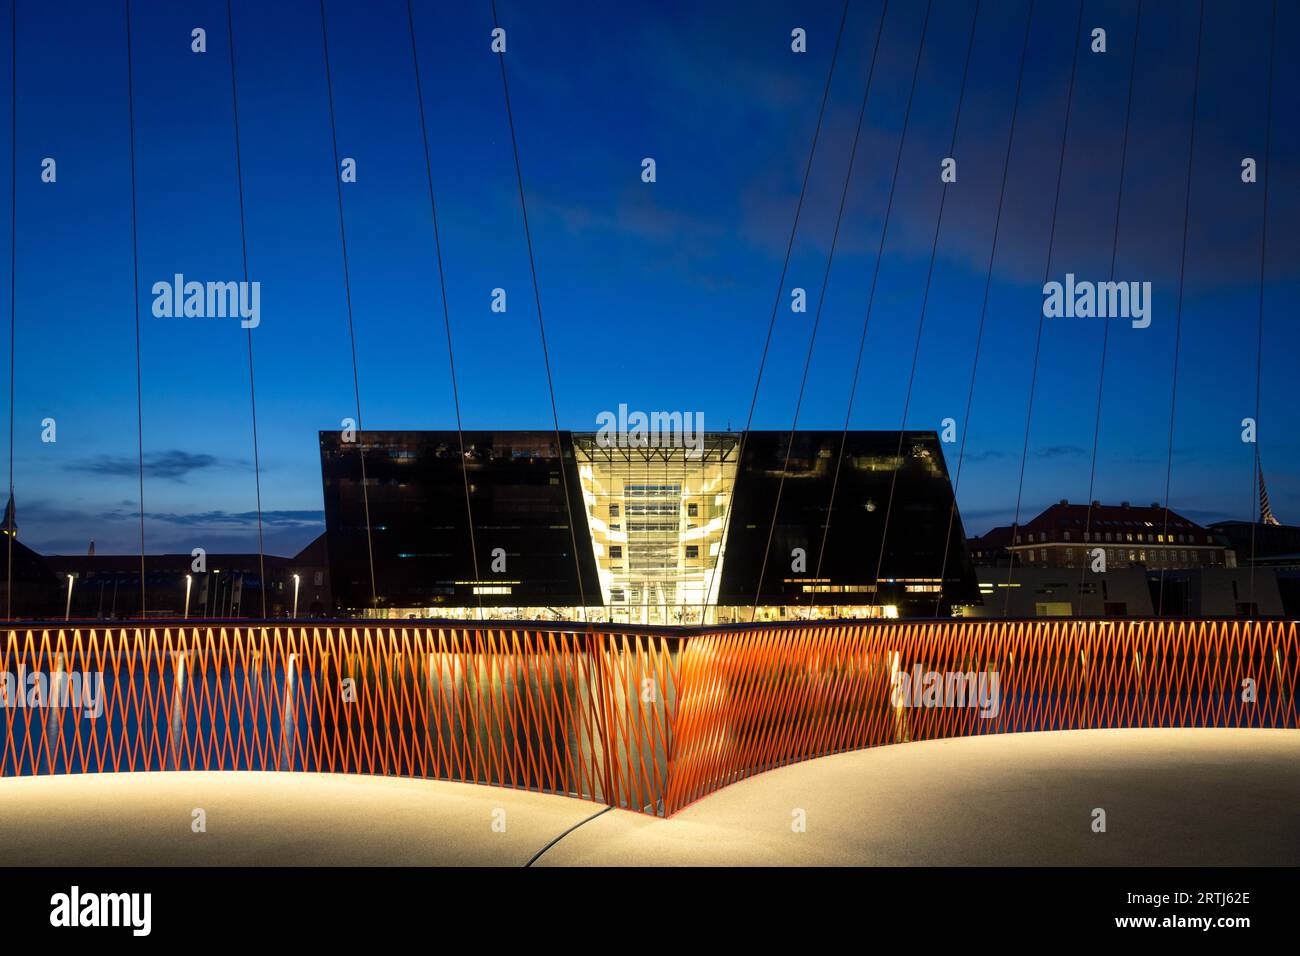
<point>597,527</point>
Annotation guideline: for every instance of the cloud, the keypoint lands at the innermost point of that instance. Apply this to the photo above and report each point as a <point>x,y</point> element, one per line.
<point>235,519</point>
<point>54,528</point>
<point>1059,451</point>
<point>279,519</point>
<point>174,465</point>
<point>989,454</point>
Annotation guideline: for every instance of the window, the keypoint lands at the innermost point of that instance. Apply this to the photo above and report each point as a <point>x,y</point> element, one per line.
<point>692,510</point>
<point>613,511</point>
<point>692,552</point>
<point>616,551</point>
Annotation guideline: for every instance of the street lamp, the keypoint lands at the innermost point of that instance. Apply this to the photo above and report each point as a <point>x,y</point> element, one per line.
<point>189,583</point>
<point>295,595</point>
<point>67,611</point>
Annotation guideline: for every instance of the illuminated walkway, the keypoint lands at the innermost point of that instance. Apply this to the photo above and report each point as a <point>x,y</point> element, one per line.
<point>1171,797</point>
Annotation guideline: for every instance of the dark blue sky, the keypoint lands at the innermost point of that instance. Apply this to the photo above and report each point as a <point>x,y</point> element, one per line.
<point>658,295</point>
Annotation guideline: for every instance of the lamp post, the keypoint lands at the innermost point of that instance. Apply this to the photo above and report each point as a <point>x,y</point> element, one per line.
<point>67,611</point>
<point>295,595</point>
<point>189,583</point>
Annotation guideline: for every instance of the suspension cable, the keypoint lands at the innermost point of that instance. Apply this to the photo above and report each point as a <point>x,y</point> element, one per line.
<point>925,299</point>
<point>821,301</point>
<point>347,292</point>
<point>1105,329</point>
<point>1182,269</point>
<point>776,303</point>
<point>1038,339</point>
<point>984,307</point>
<point>442,287</point>
<point>541,326</point>
<point>243,248</point>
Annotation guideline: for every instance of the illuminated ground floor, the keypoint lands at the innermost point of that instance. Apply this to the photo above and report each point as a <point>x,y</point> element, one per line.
<point>645,615</point>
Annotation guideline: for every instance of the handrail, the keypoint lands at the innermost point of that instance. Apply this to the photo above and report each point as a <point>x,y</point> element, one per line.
<point>647,719</point>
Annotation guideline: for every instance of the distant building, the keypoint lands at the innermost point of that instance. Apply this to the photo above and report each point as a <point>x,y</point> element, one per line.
<point>1262,544</point>
<point>990,549</point>
<point>107,586</point>
<point>1217,592</point>
<point>1065,535</point>
<point>28,588</point>
<point>663,535</point>
<point>1268,545</point>
<point>1127,593</point>
<point>1053,592</point>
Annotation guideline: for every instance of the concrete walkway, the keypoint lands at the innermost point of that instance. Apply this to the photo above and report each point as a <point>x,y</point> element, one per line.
<point>259,819</point>
<point>1176,797</point>
<point>1171,797</point>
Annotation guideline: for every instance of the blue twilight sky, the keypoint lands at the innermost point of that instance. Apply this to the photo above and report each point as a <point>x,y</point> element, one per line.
<point>659,295</point>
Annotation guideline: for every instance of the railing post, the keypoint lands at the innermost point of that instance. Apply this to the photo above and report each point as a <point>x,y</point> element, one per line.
<point>53,715</point>
<point>177,735</point>
<point>288,716</point>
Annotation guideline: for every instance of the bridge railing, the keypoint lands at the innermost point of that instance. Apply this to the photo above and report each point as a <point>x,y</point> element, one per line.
<point>644,720</point>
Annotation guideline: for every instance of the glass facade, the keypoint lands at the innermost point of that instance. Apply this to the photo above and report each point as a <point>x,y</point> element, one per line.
<point>839,545</point>
<point>657,518</point>
<point>663,535</point>
<point>426,560</point>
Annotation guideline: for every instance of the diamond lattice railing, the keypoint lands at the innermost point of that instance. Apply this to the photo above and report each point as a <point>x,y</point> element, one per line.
<point>645,721</point>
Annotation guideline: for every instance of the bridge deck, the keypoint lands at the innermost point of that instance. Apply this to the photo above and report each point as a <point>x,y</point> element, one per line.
<point>1171,797</point>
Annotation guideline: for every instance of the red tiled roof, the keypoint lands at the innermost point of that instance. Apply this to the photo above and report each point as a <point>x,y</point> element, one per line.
<point>1127,517</point>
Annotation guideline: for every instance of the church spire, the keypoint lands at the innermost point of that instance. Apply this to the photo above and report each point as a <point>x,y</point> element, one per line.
<point>1265,512</point>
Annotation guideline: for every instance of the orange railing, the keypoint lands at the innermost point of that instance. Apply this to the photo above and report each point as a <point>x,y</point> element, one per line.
<point>648,720</point>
